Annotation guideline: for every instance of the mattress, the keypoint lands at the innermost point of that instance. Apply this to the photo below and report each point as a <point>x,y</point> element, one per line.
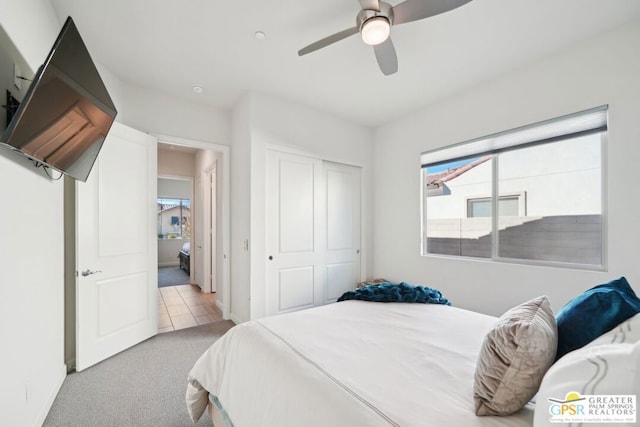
<point>352,363</point>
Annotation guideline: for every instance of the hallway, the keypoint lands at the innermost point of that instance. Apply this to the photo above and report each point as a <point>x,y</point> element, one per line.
<point>184,306</point>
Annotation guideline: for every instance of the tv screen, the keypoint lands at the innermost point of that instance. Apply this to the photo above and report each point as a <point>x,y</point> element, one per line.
<point>66,113</point>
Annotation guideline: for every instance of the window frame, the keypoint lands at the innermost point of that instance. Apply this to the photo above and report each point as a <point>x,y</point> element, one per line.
<point>182,205</point>
<point>495,257</point>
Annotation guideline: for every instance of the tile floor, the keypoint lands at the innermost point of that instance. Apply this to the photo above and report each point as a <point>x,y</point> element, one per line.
<point>184,306</point>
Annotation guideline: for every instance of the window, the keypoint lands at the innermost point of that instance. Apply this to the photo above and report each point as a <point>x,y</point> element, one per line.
<point>532,194</point>
<point>481,206</point>
<point>174,218</point>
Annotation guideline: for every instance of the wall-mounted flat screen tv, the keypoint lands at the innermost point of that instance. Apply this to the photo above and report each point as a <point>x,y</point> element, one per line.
<point>64,117</point>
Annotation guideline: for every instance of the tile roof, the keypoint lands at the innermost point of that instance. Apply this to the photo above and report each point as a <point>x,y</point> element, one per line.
<point>438,179</point>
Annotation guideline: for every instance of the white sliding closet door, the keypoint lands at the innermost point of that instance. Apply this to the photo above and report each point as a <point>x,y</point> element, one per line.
<point>313,231</point>
<point>342,246</point>
<point>293,233</point>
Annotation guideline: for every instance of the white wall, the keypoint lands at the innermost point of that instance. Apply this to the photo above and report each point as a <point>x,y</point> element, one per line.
<point>600,71</point>
<point>114,86</point>
<point>277,122</point>
<point>168,252</point>
<point>161,114</point>
<point>240,206</point>
<point>31,253</point>
<point>206,159</point>
<point>176,163</point>
<point>175,188</point>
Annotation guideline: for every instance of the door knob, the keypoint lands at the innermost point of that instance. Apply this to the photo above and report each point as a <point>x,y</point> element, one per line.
<point>88,272</point>
<point>270,257</point>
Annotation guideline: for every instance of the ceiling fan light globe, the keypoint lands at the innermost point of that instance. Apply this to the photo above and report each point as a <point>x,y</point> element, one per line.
<point>375,30</point>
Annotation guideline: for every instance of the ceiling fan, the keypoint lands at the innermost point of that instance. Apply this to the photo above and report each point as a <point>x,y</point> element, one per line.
<point>374,23</point>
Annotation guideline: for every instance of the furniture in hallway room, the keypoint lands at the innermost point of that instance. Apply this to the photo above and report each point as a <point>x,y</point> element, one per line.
<point>184,256</point>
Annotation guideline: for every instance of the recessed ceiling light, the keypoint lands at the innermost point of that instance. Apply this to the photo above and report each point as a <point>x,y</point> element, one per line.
<point>197,89</point>
<point>260,35</point>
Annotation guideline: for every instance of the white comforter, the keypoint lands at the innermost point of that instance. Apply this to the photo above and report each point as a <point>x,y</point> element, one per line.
<point>349,364</point>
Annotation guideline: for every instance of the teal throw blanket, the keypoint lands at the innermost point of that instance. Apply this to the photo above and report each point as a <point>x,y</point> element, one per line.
<point>396,292</point>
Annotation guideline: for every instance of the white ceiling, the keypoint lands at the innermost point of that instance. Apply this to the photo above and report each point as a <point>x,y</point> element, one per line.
<point>170,45</point>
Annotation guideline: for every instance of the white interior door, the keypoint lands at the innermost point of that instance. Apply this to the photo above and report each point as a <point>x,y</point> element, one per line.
<point>199,234</point>
<point>294,264</point>
<point>342,256</point>
<point>213,218</point>
<point>116,247</point>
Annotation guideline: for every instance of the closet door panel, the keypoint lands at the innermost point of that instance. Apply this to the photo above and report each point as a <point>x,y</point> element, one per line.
<point>342,247</point>
<point>294,234</point>
<point>296,199</point>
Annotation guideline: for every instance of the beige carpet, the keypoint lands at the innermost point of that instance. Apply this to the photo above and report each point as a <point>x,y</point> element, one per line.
<point>142,386</point>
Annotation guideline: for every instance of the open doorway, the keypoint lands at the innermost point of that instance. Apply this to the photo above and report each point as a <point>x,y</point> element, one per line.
<point>174,230</point>
<point>187,243</point>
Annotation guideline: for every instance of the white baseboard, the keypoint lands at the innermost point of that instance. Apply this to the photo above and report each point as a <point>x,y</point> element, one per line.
<point>168,264</point>
<point>235,319</point>
<point>62,374</point>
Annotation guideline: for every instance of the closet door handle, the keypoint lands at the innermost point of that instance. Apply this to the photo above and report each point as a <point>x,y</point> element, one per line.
<point>270,258</point>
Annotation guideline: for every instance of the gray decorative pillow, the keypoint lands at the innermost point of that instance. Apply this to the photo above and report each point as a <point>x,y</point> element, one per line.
<point>514,357</point>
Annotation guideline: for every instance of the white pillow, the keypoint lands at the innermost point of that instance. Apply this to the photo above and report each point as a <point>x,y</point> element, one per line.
<point>605,369</point>
<point>626,332</point>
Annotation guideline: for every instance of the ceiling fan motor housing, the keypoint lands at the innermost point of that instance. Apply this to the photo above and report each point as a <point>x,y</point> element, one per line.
<point>386,12</point>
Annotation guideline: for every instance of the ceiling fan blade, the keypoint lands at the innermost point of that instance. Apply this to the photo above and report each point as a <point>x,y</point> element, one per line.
<point>370,4</point>
<point>328,40</point>
<point>386,56</point>
<point>413,10</point>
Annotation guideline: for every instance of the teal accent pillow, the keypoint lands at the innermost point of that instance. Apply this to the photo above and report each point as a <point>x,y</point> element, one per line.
<point>593,313</point>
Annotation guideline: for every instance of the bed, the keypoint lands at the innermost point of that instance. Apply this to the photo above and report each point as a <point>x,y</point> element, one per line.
<point>352,363</point>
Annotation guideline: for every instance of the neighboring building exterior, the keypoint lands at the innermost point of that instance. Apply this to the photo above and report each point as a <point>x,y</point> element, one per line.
<point>174,222</point>
<point>557,182</point>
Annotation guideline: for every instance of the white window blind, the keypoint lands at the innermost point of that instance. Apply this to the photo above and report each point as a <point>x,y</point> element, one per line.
<point>581,123</point>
